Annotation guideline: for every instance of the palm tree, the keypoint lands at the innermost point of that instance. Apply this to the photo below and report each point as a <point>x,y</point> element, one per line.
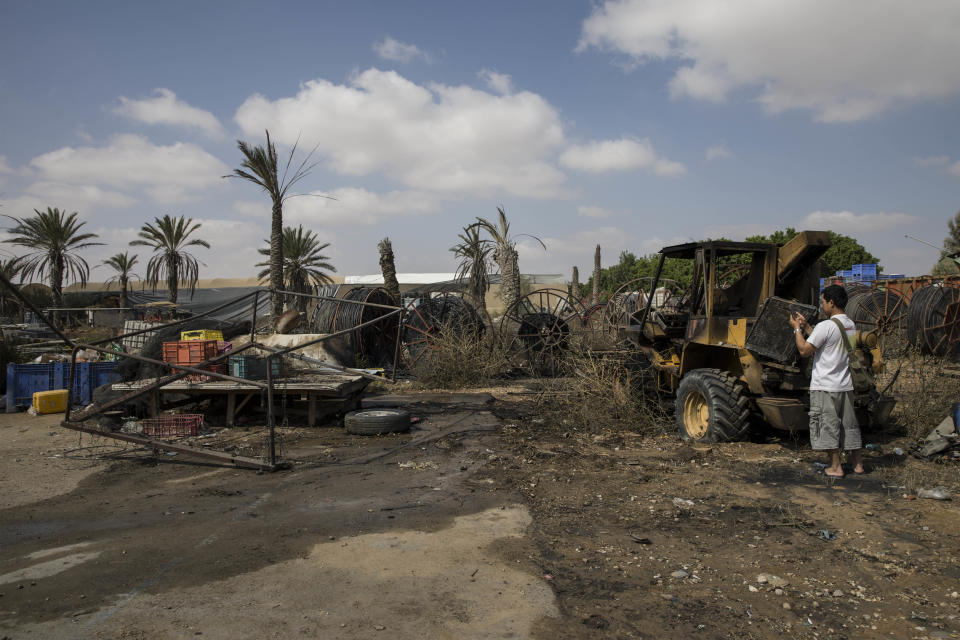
<point>303,264</point>
<point>169,236</point>
<point>259,166</point>
<point>575,283</point>
<point>505,255</point>
<point>122,263</point>
<point>54,237</point>
<point>389,269</point>
<point>474,254</point>
<point>11,268</point>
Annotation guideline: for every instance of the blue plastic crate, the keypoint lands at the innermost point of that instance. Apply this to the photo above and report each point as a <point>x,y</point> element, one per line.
<point>864,269</point>
<point>23,380</point>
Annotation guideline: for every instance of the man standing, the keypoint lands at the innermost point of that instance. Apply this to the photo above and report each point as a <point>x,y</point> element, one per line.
<point>833,424</point>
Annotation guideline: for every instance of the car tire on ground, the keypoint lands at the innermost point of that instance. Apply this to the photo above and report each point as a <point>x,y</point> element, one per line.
<point>372,422</point>
<point>711,407</point>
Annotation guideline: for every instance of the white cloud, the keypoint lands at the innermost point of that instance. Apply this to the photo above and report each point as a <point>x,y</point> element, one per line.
<point>345,206</point>
<point>954,169</point>
<point>166,173</point>
<point>844,61</point>
<point>390,49</point>
<point>77,197</point>
<point>932,161</point>
<point>587,211</point>
<point>718,151</point>
<point>849,222</point>
<point>4,167</point>
<point>164,108</point>
<point>502,83</point>
<point>619,155</point>
<point>455,140</point>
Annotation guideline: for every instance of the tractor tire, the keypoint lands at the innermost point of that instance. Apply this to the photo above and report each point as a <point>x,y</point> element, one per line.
<point>711,407</point>
<point>374,422</point>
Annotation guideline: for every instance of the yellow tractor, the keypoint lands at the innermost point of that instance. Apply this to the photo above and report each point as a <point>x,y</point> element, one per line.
<point>722,346</point>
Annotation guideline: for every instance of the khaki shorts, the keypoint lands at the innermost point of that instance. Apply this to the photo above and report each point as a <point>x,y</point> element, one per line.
<point>833,423</point>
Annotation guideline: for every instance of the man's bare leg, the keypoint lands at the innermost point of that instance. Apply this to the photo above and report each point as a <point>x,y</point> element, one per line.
<point>835,470</point>
<point>856,456</point>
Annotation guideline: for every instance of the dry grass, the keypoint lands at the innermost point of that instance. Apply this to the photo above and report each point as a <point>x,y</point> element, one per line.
<point>925,389</point>
<point>457,360</point>
<point>605,392</point>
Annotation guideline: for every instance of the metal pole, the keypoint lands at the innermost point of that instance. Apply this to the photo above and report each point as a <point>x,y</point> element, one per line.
<point>653,289</point>
<point>270,421</point>
<point>396,348</point>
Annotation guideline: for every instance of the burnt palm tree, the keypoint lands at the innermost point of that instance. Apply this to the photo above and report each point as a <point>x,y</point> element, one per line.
<point>505,255</point>
<point>303,264</point>
<point>260,167</point>
<point>122,264</point>
<point>169,237</point>
<point>389,269</point>
<point>474,254</point>
<point>53,237</point>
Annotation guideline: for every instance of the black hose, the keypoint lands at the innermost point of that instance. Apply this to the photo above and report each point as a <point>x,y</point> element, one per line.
<point>372,345</point>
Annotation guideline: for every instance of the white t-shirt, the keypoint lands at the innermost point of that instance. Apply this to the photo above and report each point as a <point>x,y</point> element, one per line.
<point>831,367</point>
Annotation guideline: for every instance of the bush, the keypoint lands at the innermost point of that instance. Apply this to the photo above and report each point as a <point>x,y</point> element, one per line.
<point>606,391</point>
<point>456,359</point>
<point>925,389</point>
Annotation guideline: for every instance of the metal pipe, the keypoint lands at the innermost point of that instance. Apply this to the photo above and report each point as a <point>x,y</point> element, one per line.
<point>396,349</point>
<point>253,316</point>
<point>284,351</point>
<point>270,419</point>
<point>345,300</point>
<point>19,296</point>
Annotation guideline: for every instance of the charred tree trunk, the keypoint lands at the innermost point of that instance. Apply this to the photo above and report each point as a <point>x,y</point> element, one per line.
<point>575,284</point>
<point>596,275</point>
<point>509,274</point>
<point>173,279</point>
<point>389,269</point>
<point>276,259</point>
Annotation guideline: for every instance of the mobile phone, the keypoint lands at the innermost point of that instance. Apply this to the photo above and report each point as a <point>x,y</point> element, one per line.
<point>793,309</point>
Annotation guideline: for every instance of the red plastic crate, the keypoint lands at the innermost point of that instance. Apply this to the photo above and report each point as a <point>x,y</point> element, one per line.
<point>174,426</point>
<point>189,352</point>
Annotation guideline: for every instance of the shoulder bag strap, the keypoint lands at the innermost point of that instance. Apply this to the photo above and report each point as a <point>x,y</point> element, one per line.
<point>843,337</point>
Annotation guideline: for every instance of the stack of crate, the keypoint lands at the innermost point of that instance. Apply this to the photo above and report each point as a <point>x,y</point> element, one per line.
<point>192,353</point>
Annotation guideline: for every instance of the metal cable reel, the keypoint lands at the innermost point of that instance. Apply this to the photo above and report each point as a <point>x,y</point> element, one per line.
<point>373,345</point>
<point>430,318</point>
<point>537,330</point>
<point>883,312</point>
<point>934,320</point>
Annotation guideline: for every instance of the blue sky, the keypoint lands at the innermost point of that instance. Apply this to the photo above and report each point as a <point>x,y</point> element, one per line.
<point>630,124</point>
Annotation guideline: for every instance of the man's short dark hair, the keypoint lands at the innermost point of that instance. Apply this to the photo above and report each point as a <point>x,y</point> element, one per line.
<point>835,294</point>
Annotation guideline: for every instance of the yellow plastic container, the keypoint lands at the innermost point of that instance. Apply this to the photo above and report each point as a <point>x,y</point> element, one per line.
<point>202,334</point>
<point>50,401</point>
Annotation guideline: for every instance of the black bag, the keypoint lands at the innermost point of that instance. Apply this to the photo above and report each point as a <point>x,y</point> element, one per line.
<point>860,369</point>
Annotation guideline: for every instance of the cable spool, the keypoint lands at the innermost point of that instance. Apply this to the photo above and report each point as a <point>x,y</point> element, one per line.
<point>933,324</point>
<point>427,318</point>
<point>883,312</point>
<point>375,343</point>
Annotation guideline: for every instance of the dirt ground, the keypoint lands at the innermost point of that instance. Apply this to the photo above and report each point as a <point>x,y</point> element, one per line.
<point>485,521</point>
